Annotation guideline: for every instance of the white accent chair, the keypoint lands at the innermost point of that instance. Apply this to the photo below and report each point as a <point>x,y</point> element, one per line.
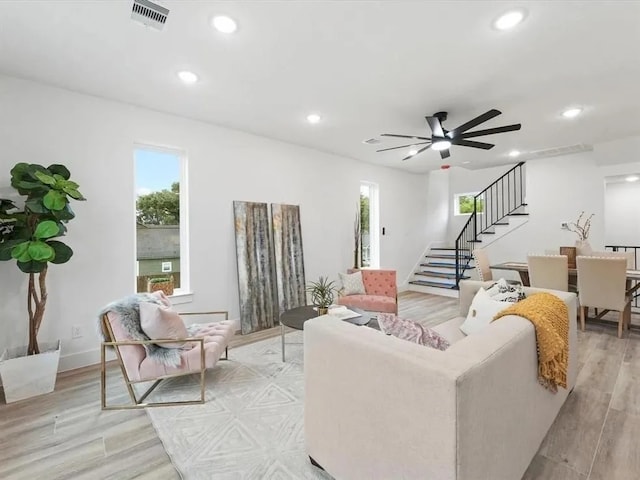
<point>602,285</point>
<point>549,271</point>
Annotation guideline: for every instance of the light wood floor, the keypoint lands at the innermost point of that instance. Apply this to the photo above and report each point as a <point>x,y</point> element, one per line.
<point>65,435</point>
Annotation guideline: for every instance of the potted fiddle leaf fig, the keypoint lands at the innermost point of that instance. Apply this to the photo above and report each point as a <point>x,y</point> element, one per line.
<point>29,234</point>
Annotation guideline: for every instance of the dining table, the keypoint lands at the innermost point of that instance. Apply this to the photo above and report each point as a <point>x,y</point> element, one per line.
<point>633,276</point>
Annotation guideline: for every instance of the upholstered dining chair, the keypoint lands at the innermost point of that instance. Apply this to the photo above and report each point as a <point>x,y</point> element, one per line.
<point>196,352</point>
<point>549,271</point>
<point>602,285</point>
<point>481,259</point>
<point>629,256</point>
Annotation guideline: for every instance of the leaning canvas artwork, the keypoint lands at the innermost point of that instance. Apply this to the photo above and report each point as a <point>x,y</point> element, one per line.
<point>256,273</point>
<point>287,241</point>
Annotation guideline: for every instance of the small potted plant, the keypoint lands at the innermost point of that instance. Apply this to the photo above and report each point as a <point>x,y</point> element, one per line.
<point>161,283</point>
<point>322,293</point>
<point>29,235</point>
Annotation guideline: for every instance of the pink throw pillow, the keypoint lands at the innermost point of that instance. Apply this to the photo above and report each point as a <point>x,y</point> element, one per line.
<point>412,331</point>
<point>162,298</point>
<point>160,322</point>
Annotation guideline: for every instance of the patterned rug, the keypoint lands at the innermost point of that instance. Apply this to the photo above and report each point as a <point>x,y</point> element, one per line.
<point>251,426</point>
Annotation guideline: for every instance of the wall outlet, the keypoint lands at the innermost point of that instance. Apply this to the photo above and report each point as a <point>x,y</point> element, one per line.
<point>76,331</point>
<point>564,226</point>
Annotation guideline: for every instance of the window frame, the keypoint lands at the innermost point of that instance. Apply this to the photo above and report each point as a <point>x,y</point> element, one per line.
<point>184,293</point>
<point>456,203</point>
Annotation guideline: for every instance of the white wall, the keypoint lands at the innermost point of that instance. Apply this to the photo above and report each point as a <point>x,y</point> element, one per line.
<point>622,215</point>
<point>95,139</point>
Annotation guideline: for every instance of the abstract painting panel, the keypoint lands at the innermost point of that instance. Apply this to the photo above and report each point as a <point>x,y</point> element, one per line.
<point>256,275</point>
<point>287,240</point>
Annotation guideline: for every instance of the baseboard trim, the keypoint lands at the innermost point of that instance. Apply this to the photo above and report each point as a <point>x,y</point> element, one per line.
<point>82,359</point>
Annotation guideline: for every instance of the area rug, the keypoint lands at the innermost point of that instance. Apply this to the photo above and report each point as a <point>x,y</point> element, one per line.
<point>251,426</point>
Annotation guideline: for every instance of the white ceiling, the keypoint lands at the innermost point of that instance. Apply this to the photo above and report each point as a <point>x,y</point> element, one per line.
<point>366,67</point>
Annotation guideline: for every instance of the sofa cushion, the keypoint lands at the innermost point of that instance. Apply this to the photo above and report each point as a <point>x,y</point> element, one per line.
<point>352,283</point>
<point>505,292</point>
<point>371,303</point>
<point>159,321</point>
<point>411,331</point>
<point>481,313</point>
<point>451,330</point>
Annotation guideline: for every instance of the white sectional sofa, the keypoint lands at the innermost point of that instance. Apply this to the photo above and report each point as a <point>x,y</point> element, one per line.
<point>377,407</point>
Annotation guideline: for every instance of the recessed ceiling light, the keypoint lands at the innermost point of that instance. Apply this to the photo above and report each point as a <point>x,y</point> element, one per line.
<point>632,178</point>
<point>509,19</point>
<point>224,24</point>
<point>441,145</point>
<point>514,153</point>
<point>188,77</point>
<point>413,151</point>
<point>572,112</point>
<point>314,118</point>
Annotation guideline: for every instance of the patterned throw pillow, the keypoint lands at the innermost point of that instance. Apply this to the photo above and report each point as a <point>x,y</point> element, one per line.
<point>352,284</point>
<point>501,291</point>
<point>391,324</point>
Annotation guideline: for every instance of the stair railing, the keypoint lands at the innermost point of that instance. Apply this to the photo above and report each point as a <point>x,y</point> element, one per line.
<point>492,205</point>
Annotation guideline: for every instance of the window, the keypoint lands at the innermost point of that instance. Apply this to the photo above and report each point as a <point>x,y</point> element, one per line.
<point>161,230</point>
<point>369,221</point>
<point>463,204</point>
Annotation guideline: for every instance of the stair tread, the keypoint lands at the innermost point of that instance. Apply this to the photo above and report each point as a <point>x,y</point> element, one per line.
<point>501,223</point>
<point>445,265</point>
<point>451,256</point>
<point>427,283</point>
<point>430,273</point>
<point>516,214</point>
<point>443,248</point>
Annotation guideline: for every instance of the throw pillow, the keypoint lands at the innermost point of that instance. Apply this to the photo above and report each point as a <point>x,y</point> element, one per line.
<point>481,312</point>
<point>391,324</point>
<point>159,322</point>
<point>505,292</point>
<point>352,284</point>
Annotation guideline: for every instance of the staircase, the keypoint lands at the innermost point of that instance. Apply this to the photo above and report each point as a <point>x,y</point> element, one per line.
<point>498,209</point>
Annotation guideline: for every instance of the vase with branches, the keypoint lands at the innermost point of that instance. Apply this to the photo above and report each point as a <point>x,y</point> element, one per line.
<point>581,227</point>
<point>29,232</point>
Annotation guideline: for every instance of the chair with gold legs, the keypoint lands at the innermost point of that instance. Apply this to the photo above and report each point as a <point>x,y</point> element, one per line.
<point>202,350</point>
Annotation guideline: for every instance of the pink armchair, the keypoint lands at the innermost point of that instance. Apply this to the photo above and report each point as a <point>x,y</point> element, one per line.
<point>382,292</point>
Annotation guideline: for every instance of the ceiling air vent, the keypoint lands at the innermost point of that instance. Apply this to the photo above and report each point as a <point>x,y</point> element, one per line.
<point>149,14</point>
<point>557,151</point>
<point>372,141</point>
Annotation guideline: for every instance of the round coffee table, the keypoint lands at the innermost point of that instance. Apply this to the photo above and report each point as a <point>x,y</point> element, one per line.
<point>296,317</point>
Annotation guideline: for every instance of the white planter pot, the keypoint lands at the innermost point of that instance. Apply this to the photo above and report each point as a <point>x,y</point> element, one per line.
<point>25,376</point>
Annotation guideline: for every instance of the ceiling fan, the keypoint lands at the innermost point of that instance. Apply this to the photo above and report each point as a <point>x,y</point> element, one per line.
<point>442,139</point>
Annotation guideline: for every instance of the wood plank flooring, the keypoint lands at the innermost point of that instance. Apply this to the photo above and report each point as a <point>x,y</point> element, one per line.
<point>65,435</point>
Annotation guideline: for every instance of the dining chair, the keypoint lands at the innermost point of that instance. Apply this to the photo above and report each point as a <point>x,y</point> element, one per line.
<point>629,256</point>
<point>602,285</point>
<point>549,271</point>
<point>481,260</point>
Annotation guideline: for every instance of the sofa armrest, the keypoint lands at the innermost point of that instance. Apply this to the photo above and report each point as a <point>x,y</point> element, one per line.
<point>370,407</point>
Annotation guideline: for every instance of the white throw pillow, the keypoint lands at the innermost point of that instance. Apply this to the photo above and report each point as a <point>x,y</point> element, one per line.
<point>352,284</point>
<point>160,322</point>
<point>505,292</point>
<point>481,312</point>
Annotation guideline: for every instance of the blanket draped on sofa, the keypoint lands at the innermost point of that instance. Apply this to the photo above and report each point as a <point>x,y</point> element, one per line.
<point>550,317</point>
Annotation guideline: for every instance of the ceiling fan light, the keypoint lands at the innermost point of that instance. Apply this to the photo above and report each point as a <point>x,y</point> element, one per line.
<point>514,153</point>
<point>572,112</point>
<point>413,151</point>
<point>441,145</point>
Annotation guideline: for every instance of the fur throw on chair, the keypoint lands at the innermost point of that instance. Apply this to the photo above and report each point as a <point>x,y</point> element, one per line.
<point>128,309</point>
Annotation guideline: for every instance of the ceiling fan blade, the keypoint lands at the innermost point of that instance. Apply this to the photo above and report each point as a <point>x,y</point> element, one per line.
<point>472,123</point>
<point>444,154</point>
<point>402,146</point>
<point>403,136</point>
<point>471,143</point>
<point>436,126</point>
<point>417,153</point>
<point>491,131</point>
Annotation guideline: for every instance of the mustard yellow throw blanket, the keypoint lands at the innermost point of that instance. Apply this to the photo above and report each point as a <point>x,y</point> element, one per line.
<point>550,317</point>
